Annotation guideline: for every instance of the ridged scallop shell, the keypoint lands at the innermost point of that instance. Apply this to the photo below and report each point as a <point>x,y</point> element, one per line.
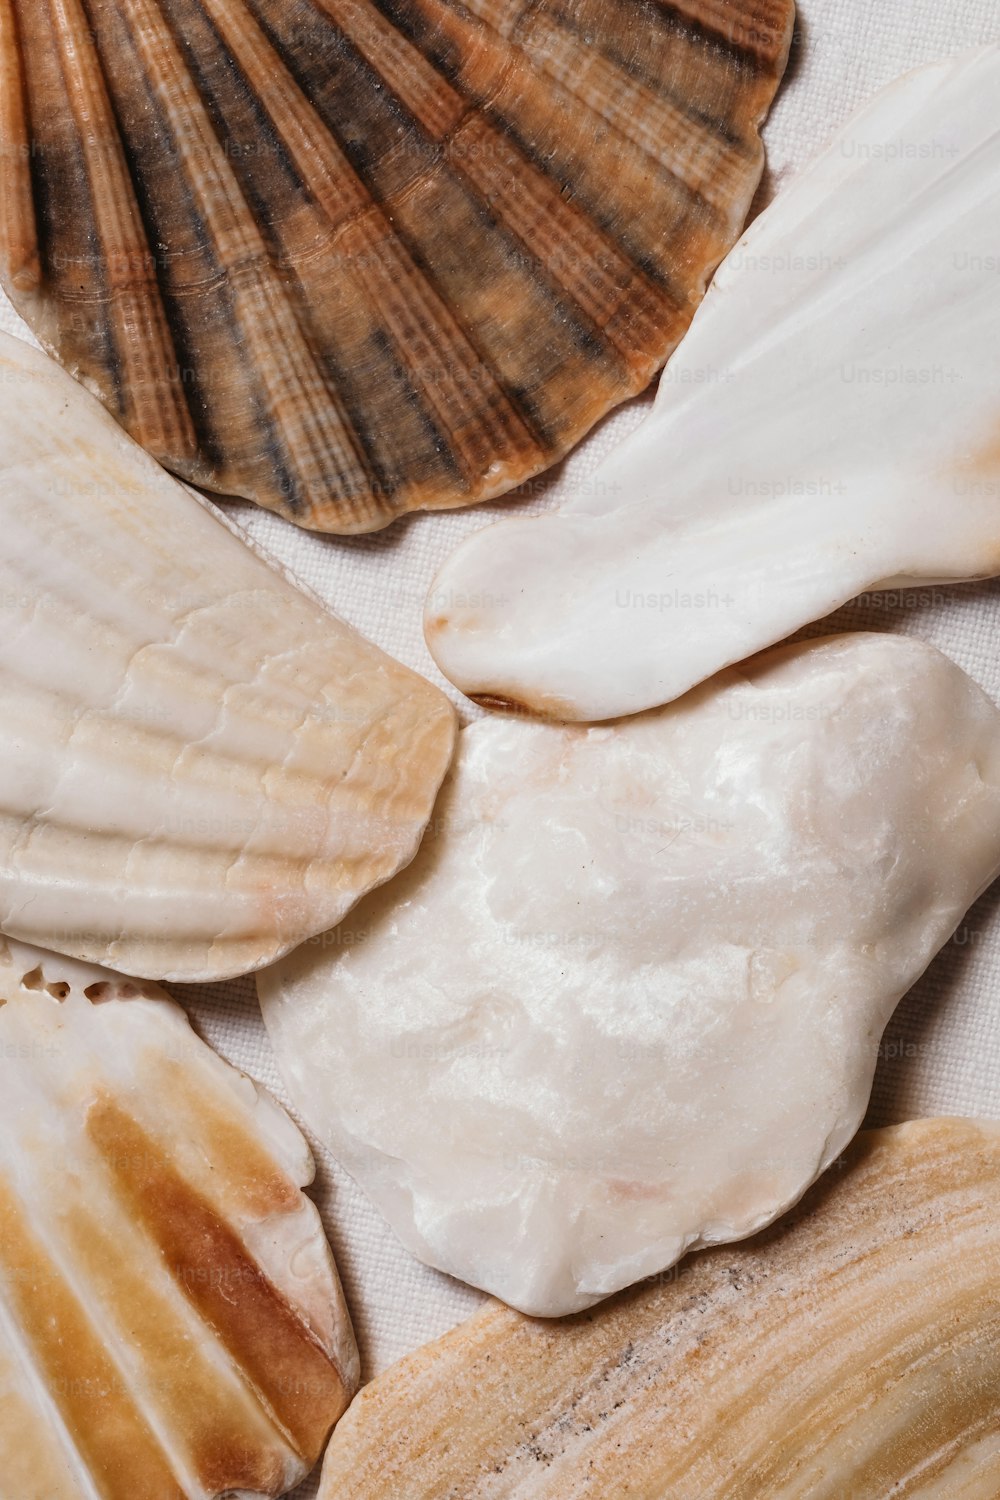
<point>199,766</point>
<point>830,424</point>
<point>627,998</point>
<point>171,1321</point>
<point>852,1351</point>
<point>351,259</point>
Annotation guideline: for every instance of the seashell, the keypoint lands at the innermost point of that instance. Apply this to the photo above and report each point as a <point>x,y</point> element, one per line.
<point>171,1320</point>
<point>351,259</point>
<point>200,766</point>
<point>851,1351</point>
<point>829,425</point>
<point>627,999</point>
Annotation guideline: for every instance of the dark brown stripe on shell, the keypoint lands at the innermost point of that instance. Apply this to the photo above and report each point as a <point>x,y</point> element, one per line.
<point>759,27</point>
<point>213,1421</point>
<point>72,274</point>
<point>152,399</point>
<point>293,1375</point>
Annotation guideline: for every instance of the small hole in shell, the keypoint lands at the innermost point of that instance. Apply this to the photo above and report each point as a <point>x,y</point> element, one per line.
<point>98,992</point>
<point>35,980</point>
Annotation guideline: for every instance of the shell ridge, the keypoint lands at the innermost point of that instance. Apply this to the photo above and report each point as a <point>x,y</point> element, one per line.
<point>147,1315</point>
<point>58,169</point>
<point>284,361</point>
<point>116,39</point>
<point>465,366</point>
<point>635,115</point>
<point>18,224</point>
<point>134,297</point>
<point>53,1420</point>
<point>596,276</point>
<point>660,104</point>
<point>27,1241</point>
<point>762,35</point>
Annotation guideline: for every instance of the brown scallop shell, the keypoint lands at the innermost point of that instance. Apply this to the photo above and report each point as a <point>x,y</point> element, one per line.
<point>350,259</point>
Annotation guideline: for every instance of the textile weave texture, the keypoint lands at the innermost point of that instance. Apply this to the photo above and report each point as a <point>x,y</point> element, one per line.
<point>941,1052</point>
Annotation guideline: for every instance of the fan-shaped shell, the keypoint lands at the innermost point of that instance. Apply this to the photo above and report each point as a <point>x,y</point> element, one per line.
<point>350,258</point>
<point>851,1353</point>
<point>199,766</point>
<point>171,1320</point>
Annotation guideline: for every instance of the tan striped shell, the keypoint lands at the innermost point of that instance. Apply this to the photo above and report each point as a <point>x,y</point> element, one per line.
<point>171,1321</point>
<point>852,1352</point>
<point>350,259</point>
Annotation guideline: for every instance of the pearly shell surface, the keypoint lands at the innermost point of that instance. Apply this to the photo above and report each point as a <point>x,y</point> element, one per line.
<point>830,424</point>
<point>351,259</point>
<point>628,998</point>
<point>853,1350</point>
<point>171,1320</point>
<point>200,767</point>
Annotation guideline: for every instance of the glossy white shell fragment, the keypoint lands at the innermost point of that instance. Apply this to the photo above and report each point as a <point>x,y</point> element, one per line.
<point>199,766</point>
<point>171,1320</point>
<point>828,425</point>
<point>627,999</point>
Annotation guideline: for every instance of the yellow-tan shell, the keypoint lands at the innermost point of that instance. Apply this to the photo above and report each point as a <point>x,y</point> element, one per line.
<point>351,259</point>
<point>851,1351</point>
<point>171,1321</point>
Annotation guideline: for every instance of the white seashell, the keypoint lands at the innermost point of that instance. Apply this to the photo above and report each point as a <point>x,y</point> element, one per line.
<point>850,1353</point>
<point>200,766</point>
<point>171,1321</point>
<point>628,997</point>
<point>828,425</point>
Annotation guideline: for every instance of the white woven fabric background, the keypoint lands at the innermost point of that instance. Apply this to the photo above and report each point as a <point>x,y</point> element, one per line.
<point>942,1051</point>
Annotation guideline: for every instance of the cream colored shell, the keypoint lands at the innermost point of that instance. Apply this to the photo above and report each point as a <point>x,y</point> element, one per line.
<point>199,766</point>
<point>851,1351</point>
<point>627,1000</point>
